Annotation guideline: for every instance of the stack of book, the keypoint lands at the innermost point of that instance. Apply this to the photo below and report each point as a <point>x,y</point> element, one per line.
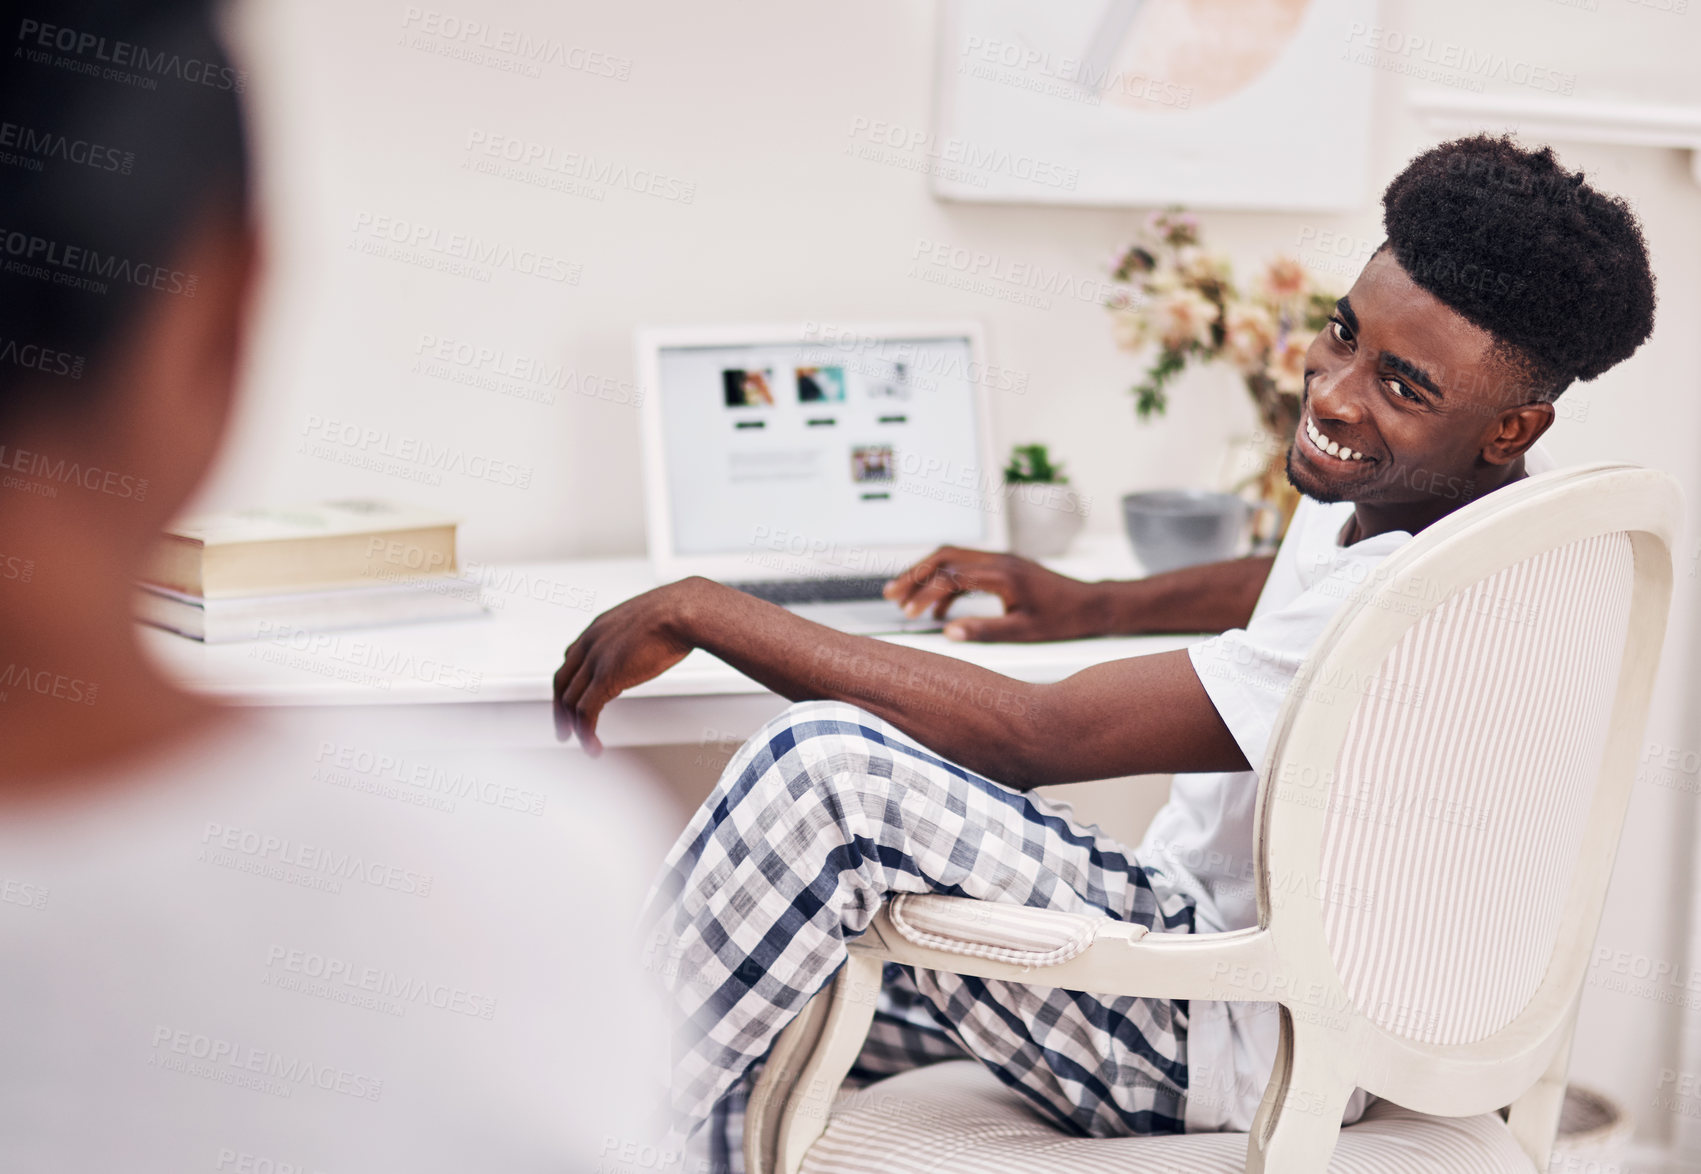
<point>341,564</point>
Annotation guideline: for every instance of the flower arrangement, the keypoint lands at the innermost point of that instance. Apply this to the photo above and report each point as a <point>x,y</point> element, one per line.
<point>1181,299</point>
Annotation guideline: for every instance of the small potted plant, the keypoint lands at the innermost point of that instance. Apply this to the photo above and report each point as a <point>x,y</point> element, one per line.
<point>1044,511</point>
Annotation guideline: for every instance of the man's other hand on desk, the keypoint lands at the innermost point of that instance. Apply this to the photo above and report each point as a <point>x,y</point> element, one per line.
<point>1038,604</point>
<point>624,646</point>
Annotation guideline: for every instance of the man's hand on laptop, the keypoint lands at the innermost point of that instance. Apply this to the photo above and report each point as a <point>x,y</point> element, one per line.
<point>1038,604</point>
<point>1043,605</point>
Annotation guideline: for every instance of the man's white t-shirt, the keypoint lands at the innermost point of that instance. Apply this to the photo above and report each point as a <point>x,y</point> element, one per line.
<point>288,950</point>
<point>1201,841</point>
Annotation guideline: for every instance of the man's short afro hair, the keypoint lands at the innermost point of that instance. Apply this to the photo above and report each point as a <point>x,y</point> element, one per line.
<point>1516,244</point>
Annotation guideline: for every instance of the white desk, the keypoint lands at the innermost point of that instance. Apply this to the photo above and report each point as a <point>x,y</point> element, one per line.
<point>486,681</point>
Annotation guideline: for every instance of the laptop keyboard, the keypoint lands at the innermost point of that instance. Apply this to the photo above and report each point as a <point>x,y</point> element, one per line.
<point>833,589</point>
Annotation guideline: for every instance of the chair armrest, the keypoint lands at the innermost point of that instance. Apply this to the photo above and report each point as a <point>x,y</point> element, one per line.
<point>1018,934</point>
<point>793,1096</point>
<point>1074,951</point>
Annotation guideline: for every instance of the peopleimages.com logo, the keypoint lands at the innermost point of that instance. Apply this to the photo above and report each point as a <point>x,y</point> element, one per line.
<point>227,1061</point>
<point>39,145</point>
<point>83,50</point>
<point>79,267</point>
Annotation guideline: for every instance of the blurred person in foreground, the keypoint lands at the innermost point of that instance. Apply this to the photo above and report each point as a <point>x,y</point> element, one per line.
<point>243,940</point>
<point>1503,279</point>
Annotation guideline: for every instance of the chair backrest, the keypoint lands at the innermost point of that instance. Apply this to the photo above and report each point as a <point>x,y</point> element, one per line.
<point>1442,798</point>
<point>1457,807</point>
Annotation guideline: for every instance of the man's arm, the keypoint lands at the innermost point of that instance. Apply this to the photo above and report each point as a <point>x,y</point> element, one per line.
<point>1040,604</point>
<point>1211,597</point>
<point>1142,715</point>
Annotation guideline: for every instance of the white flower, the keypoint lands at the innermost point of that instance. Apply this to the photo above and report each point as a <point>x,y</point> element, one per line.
<point>1182,317</point>
<point>1198,266</point>
<point>1125,295</point>
<point>1287,364</point>
<point>1284,280</point>
<point>1163,279</point>
<point>1131,327</point>
<point>1173,226</point>
<point>1249,332</point>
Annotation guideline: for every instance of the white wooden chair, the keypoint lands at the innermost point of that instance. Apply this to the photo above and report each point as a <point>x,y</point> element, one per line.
<point>1494,675</point>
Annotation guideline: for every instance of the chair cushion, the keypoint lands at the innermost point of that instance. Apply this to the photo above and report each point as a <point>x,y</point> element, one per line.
<point>956,1117</point>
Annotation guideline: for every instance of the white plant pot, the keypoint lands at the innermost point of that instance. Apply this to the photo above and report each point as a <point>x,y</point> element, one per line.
<point>1044,519</point>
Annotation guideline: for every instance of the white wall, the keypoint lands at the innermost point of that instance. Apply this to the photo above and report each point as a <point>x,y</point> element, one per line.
<point>753,105</point>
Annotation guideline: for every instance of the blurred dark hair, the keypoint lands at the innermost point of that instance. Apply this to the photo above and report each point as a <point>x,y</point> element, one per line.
<point>1555,269</point>
<point>120,127</point>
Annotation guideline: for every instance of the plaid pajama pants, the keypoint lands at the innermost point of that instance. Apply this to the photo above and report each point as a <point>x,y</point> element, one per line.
<point>825,811</point>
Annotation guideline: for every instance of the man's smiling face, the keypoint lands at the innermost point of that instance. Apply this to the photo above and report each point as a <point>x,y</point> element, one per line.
<point>1407,404</point>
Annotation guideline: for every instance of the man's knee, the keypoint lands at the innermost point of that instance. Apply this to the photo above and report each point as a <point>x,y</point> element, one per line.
<point>813,714</point>
<point>800,740</point>
<point>805,721</point>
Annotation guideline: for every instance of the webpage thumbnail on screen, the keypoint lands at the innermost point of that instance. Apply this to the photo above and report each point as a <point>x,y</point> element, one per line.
<point>836,448</point>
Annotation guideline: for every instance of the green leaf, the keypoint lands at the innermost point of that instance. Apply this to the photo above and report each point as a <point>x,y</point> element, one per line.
<point>1151,397</point>
<point>1031,464</point>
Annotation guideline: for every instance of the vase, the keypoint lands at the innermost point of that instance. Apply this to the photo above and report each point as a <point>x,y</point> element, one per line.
<point>1044,518</point>
<point>1278,417</point>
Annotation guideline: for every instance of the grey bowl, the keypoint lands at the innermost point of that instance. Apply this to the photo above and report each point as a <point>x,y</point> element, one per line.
<point>1172,528</point>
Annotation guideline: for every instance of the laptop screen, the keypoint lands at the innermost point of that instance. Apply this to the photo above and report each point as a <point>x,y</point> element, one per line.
<point>829,448</point>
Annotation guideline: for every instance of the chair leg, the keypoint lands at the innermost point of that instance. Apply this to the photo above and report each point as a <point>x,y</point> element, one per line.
<point>1299,1120</point>
<point>1273,1089</point>
<point>788,1107</point>
<point>766,1105</point>
<point>1534,1119</point>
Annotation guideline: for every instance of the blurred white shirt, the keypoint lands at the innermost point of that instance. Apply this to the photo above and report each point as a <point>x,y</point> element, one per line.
<point>284,952</point>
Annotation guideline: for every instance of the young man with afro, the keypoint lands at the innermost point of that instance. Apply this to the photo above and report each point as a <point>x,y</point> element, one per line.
<point>1503,279</point>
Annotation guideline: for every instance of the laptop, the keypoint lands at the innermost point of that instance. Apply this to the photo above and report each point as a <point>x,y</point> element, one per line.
<point>809,463</point>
